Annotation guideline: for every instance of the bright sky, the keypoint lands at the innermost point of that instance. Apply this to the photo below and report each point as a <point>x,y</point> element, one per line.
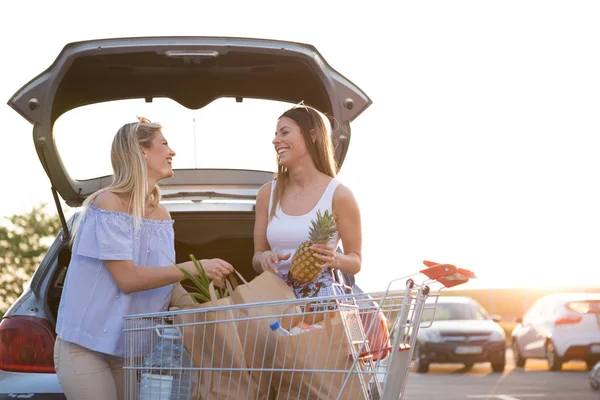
<point>480,148</point>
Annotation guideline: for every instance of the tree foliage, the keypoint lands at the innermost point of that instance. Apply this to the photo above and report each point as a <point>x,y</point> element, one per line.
<point>24,240</point>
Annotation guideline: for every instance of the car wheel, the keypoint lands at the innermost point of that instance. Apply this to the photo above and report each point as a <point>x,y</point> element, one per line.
<point>519,359</point>
<point>499,364</point>
<point>554,361</point>
<point>421,366</point>
<point>590,364</point>
<point>595,377</point>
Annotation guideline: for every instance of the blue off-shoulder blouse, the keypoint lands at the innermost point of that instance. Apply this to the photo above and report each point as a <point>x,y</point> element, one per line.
<point>92,306</point>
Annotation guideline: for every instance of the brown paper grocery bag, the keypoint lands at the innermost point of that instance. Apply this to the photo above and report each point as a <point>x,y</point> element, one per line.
<point>253,324</point>
<point>212,339</point>
<point>314,353</point>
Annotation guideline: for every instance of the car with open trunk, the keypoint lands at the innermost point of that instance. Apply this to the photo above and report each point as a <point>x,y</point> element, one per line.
<point>218,100</point>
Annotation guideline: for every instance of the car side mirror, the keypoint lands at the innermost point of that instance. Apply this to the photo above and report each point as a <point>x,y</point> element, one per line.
<point>496,318</point>
<point>519,320</point>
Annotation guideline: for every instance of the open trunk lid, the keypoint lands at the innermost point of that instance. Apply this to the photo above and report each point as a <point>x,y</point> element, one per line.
<point>193,71</point>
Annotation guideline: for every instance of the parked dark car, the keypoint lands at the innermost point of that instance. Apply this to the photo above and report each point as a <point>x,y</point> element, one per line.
<point>218,99</point>
<point>461,332</point>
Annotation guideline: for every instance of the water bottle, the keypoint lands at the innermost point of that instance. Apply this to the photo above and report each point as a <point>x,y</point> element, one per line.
<point>164,376</point>
<point>278,329</point>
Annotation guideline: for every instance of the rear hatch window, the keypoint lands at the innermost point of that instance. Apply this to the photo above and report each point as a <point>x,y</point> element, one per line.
<point>225,134</point>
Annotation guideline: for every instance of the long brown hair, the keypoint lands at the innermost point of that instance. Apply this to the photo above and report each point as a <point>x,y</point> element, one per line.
<point>321,149</point>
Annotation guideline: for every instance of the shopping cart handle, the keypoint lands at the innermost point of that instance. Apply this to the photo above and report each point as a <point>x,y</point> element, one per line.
<point>447,274</point>
<point>168,332</point>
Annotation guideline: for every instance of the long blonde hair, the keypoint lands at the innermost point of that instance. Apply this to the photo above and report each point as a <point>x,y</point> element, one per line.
<point>321,149</point>
<point>129,170</point>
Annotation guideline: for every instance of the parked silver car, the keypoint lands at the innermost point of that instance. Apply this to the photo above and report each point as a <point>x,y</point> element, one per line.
<point>218,99</point>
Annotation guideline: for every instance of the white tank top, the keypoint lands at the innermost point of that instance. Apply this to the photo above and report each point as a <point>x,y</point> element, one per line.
<point>286,232</point>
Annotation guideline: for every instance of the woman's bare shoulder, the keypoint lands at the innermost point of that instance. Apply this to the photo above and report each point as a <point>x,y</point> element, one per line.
<point>343,192</point>
<point>161,213</point>
<point>108,201</point>
<point>265,191</point>
<point>266,187</point>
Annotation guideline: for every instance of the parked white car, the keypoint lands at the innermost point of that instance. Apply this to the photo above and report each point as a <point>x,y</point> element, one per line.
<point>559,328</point>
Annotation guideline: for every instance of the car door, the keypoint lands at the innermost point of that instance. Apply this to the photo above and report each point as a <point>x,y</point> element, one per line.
<point>528,334</point>
<point>540,328</point>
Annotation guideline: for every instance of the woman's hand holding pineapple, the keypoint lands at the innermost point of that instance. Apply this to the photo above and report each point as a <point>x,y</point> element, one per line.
<point>325,253</point>
<point>269,260</point>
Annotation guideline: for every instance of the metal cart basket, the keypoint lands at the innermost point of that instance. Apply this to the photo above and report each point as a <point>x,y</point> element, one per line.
<point>351,346</point>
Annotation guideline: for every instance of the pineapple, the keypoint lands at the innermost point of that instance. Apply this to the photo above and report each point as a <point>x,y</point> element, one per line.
<point>199,290</point>
<point>303,267</point>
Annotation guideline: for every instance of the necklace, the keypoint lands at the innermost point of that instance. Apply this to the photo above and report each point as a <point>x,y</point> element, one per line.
<point>295,195</point>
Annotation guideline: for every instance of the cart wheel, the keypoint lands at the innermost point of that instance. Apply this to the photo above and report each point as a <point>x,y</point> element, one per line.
<point>426,290</point>
<point>410,283</point>
<point>554,361</point>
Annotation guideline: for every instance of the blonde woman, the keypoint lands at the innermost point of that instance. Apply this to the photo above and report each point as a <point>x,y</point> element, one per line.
<point>305,183</point>
<point>121,264</point>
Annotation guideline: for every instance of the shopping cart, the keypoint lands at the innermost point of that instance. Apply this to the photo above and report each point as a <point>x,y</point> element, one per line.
<point>351,346</point>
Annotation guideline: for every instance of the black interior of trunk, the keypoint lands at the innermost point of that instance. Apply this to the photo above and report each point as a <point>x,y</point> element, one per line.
<point>192,83</point>
<point>228,236</point>
<point>236,251</point>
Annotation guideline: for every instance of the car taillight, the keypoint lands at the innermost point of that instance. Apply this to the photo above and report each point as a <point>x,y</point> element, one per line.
<point>584,307</point>
<point>26,345</point>
<point>568,319</point>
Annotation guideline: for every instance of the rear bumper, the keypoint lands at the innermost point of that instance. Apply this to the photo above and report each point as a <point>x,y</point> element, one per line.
<point>571,339</point>
<point>587,352</point>
<point>447,352</point>
<point>20,385</point>
<point>33,396</point>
